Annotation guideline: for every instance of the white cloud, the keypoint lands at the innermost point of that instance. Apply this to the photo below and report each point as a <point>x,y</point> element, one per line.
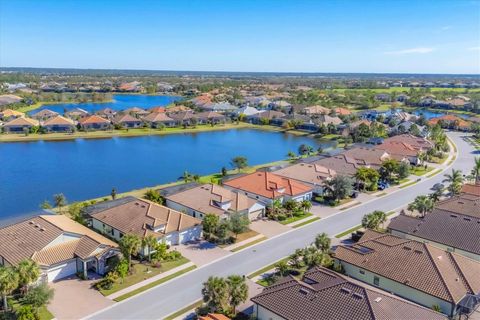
<point>474,48</point>
<point>446,28</point>
<point>420,50</point>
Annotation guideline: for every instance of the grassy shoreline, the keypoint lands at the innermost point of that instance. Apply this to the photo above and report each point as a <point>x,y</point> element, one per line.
<point>128,133</point>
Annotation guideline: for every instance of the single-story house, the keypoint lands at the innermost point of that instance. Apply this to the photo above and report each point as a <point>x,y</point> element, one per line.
<point>155,119</point>
<point>209,117</point>
<point>94,122</point>
<point>451,121</point>
<point>126,120</point>
<point>210,198</point>
<point>182,117</point>
<point>264,116</point>
<point>6,99</point>
<point>179,108</point>
<point>9,114</point>
<point>342,112</point>
<point>247,111</point>
<point>413,270</point>
<point>130,215</point>
<point>316,110</point>
<point>368,157</point>
<point>76,113</point>
<point>267,187</point>
<point>311,174</point>
<point>44,114</point>
<point>324,294</point>
<point>106,113</point>
<point>219,107</point>
<point>59,124</point>
<point>341,164</point>
<point>19,125</point>
<point>60,246</point>
<point>136,111</point>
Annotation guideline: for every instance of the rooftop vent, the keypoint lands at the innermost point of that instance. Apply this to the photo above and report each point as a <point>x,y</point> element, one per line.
<point>357,296</point>
<point>136,203</point>
<point>42,229</point>
<point>37,226</point>
<point>418,251</point>
<point>453,215</point>
<point>378,299</point>
<point>439,257</point>
<point>303,290</point>
<point>467,219</point>
<point>407,248</point>
<point>31,222</point>
<point>345,290</point>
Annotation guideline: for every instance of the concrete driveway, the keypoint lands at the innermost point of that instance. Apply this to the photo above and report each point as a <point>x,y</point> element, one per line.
<point>268,228</point>
<point>75,299</point>
<point>201,252</point>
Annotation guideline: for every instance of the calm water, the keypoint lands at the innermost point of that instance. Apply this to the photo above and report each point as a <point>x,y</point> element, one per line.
<point>120,102</point>
<point>82,169</point>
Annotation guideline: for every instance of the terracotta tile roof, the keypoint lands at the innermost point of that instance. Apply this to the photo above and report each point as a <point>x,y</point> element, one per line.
<point>136,110</point>
<point>58,120</point>
<point>140,217</point>
<point>268,185</point>
<point>411,140</point>
<point>397,148</point>
<point>268,114</point>
<point>157,117</point>
<point>93,119</point>
<point>316,110</point>
<point>209,115</point>
<point>310,173</point>
<point>157,110</point>
<point>456,231</point>
<point>11,113</point>
<point>470,188</point>
<point>450,118</point>
<point>33,238</point>
<point>342,111</point>
<point>180,116</point>
<point>209,198</point>
<point>445,275</point>
<point>324,294</point>
<point>180,108</point>
<point>22,121</point>
<point>106,112</point>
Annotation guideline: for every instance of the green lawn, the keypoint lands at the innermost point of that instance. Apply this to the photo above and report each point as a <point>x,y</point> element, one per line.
<point>420,171</point>
<point>43,313</point>
<point>408,184</point>
<point>249,244</point>
<point>403,181</point>
<point>306,222</point>
<point>381,194</point>
<point>295,218</point>
<point>266,268</point>
<point>143,272</point>
<point>154,284</point>
<point>344,233</point>
<point>184,310</point>
<point>434,173</point>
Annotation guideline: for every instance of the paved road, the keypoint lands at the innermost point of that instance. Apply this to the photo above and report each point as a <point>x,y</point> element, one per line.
<point>179,292</point>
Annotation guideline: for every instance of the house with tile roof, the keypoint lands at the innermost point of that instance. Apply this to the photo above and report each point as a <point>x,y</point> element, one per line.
<point>126,120</point>
<point>60,246</point>
<point>405,147</point>
<point>141,217</point>
<point>450,121</point>
<point>340,163</point>
<point>211,198</point>
<point>316,110</point>
<point>19,125</point>
<point>59,124</point>
<point>182,117</point>
<point>94,122</point>
<point>325,294</point>
<point>264,116</point>
<point>44,114</point>
<point>413,270</point>
<point>9,114</point>
<point>136,111</point>
<point>106,113</point>
<point>76,113</point>
<point>471,188</point>
<point>157,119</point>
<point>312,174</point>
<point>209,117</point>
<point>267,187</point>
<point>342,111</point>
<point>368,157</point>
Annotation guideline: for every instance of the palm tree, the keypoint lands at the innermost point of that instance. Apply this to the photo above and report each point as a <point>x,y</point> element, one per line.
<point>238,291</point>
<point>476,169</point>
<point>59,200</point>
<point>291,155</point>
<point>296,258</point>
<point>374,220</point>
<point>305,205</point>
<point>455,179</point>
<point>8,283</point>
<point>129,244</point>
<point>149,243</point>
<point>28,272</point>
<point>322,242</point>
<point>422,157</point>
<point>282,268</point>
<point>215,293</point>
<point>422,204</point>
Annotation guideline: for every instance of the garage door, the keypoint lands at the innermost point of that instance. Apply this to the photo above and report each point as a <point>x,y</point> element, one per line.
<point>62,271</point>
<point>255,215</point>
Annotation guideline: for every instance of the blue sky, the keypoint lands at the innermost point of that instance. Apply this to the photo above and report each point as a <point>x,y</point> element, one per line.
<point>420,36</point>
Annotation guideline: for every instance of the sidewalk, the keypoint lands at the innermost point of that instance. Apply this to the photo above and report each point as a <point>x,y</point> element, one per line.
<point>148,281</point>
<point>241,243</point>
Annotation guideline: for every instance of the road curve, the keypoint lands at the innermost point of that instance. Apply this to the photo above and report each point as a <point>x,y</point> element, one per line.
<point>171,296</point>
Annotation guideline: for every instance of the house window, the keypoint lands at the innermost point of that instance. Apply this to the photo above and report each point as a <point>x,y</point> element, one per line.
<point>361,271</point>
<point>376,280</point>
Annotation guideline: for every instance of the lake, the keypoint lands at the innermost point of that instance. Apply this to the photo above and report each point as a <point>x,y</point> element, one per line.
<point>120,102</point>
<point>87,168</point>
<point>431,114</point>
